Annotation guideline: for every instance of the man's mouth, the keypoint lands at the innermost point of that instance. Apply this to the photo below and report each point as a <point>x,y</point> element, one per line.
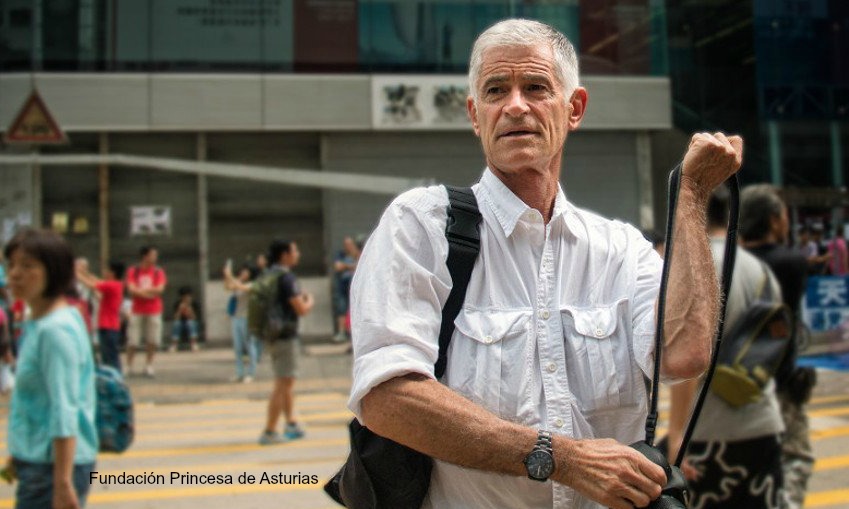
<point>517,134</point>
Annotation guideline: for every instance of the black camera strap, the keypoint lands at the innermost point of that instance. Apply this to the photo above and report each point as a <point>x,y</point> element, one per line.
<point>727,271</point>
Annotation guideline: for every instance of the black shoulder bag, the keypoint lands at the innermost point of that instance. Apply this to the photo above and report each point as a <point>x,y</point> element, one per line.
<point>380,473</point>
<point>674,494</point>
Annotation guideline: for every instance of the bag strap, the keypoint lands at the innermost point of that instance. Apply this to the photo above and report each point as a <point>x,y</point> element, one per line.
<point>462,231</point>
<point>765,290</point>
<point>727,272</point>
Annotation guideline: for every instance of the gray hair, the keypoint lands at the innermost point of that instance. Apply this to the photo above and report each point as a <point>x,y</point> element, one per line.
<point>526,33</point>
<point>759,204</point>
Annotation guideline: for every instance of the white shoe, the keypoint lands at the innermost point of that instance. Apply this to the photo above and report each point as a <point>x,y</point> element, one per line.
<point>148,371</point>
<point>248,379</point>
<point>340,337</point>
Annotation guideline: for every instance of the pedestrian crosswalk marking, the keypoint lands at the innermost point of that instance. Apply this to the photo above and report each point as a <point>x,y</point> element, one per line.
<point>228,467</point>
<point>829,412</point>
<point>219,449</point>
<point>829,433</point>
<point>831,463</point>
<point>827,498</point>
<point>228,429</point>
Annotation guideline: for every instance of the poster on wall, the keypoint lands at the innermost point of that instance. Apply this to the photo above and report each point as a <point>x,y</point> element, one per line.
<point>12,224</point>
<point>150,220</point>
<point>420,102</point>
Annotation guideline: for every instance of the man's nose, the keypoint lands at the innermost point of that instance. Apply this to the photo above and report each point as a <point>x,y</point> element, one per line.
<point>516,104</point>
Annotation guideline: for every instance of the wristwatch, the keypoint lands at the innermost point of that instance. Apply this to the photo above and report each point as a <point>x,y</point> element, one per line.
<point>540,461</point>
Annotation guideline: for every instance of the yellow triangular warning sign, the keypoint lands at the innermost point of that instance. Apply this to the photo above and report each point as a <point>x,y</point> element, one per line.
<point>34,124</point>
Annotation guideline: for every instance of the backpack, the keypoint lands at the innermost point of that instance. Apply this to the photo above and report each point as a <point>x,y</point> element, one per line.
<point>381,473</point>
<point>114,412</point>
<point>753,348</point>
<point>265,312</point>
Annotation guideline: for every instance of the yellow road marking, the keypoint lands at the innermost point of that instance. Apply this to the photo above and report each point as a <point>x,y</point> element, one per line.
<point>258,419</point>
<point>218,449</point>
<point>829,399</point>
<point>831,463</point>
<point>830,433</point>
<point>829,412</point>
<point>827,498</point>
<point>224,467</point>
<point>145,438</point>
<point>189,492</point>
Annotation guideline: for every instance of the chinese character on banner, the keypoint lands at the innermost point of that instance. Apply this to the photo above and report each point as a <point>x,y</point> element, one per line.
<point>150,220</point>
<point>825,309</point>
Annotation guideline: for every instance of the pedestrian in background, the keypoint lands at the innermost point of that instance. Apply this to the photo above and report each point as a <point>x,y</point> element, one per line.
<point>285,350</point>
<point>764,229</point>
<point>735,450</point>
<point>243,342</point>
<point>344,267</point>
<point>145,283</point>
<point>838,264</point>
<point>185,321</point>
<point>110,291</point>
<point>52,436</point>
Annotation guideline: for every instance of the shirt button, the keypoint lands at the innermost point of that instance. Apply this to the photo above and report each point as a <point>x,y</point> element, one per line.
<point>552,367</point>
<point>599,332</point>
<point>558,422</point>
<point>544,314</point>
<point>487,339</point>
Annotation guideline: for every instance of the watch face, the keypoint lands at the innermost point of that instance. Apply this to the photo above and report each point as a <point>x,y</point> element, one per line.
<point>540,464</point>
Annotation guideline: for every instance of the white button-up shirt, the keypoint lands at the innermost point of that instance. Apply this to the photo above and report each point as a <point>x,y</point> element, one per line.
<point>556,332</point>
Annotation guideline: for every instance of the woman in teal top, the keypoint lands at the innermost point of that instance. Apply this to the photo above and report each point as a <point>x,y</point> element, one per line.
<point>52,435</point>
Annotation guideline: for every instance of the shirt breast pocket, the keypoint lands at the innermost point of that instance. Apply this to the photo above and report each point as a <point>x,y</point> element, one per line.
<point>598,356</point>
<point>485,357</point>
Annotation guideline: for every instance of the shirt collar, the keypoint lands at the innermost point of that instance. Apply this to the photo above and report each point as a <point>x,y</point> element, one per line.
<point>508,208</point>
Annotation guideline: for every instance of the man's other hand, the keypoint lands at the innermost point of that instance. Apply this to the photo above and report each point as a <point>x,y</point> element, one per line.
<point>612,474</point>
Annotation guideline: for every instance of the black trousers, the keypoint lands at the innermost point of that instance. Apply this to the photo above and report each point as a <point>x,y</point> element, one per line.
<point>744,474</point>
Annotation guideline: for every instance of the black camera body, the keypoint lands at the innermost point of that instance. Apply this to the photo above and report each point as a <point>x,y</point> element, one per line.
<point>674,494</point>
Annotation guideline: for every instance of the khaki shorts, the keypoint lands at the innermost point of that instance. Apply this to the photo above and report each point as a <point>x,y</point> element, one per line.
<point>144,327</point>
<point>285,355</point>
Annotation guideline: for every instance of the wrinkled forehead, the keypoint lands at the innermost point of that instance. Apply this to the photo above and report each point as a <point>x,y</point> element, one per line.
<point>532,59</point>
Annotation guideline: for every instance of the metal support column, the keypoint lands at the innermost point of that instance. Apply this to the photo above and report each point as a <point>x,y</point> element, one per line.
<point>837,172</point>
<point>775,153</point>
<point>644,181</point>
<point>203,223</point>
<point>103,202</point>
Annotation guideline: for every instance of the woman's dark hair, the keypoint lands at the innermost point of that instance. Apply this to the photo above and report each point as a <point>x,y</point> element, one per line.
<point>53,252</point>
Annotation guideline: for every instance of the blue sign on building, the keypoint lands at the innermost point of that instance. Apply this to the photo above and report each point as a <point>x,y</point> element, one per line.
<point>826,304</point>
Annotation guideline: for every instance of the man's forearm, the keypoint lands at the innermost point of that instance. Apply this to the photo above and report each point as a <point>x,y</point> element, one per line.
<point>692,302</point>
<point>426,416</point>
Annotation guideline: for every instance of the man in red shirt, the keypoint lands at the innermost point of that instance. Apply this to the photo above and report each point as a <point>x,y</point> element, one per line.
<point>111,294</point>
<point>145,282</point>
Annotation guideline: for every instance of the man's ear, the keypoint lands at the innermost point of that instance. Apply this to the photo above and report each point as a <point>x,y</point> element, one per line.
<point>579,107</point>
<point>473,114</point>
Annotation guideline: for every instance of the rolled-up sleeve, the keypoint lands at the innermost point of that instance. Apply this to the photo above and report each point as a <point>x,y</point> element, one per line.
<point>649,267</point>
<point>61,364</point>
<point>397,294</point>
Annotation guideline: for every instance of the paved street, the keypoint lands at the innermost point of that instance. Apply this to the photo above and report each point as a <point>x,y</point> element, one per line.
<point>192,421</point>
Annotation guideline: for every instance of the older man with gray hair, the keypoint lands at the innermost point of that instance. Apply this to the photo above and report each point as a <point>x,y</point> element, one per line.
<point>764,229</point>
<point>544,381</point>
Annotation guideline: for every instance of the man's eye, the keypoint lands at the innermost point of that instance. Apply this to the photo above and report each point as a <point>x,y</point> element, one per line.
<point>493,90</point>
<point>536,87</point>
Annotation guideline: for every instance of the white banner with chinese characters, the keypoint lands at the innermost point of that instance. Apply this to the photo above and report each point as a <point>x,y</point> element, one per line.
<point>420,102</point>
